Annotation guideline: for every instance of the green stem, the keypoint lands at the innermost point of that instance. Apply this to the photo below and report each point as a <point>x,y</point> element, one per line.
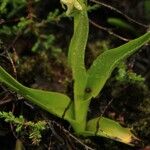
<point>78,45</point>
<point>76,59</point>
<point>81,110</point>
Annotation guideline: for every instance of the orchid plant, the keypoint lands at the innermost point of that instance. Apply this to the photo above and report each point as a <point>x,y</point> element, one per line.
<point>87,82</point>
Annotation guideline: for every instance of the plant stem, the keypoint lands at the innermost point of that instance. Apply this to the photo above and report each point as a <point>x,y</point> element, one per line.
<point>76,59</point>
<point>81,110</point>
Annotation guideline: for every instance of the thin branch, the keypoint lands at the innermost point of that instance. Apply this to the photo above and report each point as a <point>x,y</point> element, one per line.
<point>3,101</point>
<point>97,124</point>
<point>106,107</point>
<point>72,136</point>
<point>12,63</point>
<point>109,31</point>
<point>121,13</point>
<point>7,49</point>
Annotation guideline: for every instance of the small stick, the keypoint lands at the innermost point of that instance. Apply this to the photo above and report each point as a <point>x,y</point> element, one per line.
<point>97,125</point>
<point>109,31</point>
<point>73,137</point>
<point>121,13</point>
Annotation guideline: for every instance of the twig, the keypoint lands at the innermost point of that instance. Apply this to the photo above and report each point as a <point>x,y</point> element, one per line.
<point>11,124</point>
<point>12,63</point>
<point>109,31</point>
<point>2,21</point>
<point>5,100</point>
<point>119,12</point>
<point>97,124</point>
<point>14,41</point>
<point>72,136</point>
<point>7,49</point>
<point>106,107</point>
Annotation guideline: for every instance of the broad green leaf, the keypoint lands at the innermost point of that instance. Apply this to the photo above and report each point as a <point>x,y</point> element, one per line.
<point>102,67</point>
<point>108,128</point>
<point>53,102</point>
<point>77,52</point>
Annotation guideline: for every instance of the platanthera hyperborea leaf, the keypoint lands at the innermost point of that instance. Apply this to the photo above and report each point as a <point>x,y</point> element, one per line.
<point>77,52</point>
<point>108,128</point>
<point>55,103</point>
<point>102,67</point>
<point>76,60</point>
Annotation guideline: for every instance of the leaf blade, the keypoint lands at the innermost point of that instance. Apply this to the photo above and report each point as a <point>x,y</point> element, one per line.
<point>110,129</point>
<point>102,67</point>
<point>76,52</point>
<point>53,102</point>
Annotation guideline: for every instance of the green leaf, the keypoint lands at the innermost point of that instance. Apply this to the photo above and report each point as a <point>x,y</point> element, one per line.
<point>102,67</point>
<point>77,52</point>
<point>76,60</point>
<point>108,128</point>
<point>53,102</point>
<point>121,24</point>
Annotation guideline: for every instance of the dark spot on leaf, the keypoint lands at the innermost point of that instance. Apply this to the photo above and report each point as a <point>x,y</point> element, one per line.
<point>88,90</point>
